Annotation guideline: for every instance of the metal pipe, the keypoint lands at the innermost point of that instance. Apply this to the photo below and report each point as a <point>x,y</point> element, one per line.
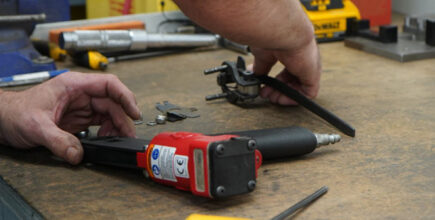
<point>130,40</point>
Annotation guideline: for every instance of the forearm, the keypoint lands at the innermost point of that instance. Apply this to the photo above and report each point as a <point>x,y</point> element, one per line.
<point>3,105</point>
<point>268,24</point>
<point>8,113</point>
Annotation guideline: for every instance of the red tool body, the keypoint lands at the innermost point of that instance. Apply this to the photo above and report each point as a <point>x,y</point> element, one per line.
<point>213,166</point>
<point>169,157</point>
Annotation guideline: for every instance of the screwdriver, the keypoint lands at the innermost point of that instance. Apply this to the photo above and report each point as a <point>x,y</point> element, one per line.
<point>283,215</point>
<point>97,61</point>
<point>309,199</point>
<point>49,49</point>
<point>91,59</point>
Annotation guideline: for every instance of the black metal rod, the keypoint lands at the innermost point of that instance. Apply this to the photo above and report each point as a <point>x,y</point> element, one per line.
<point>143,55</point>
<point>216,96</point>
<point>308,104</point>
<point>215,69</point>
<point>309,199</point>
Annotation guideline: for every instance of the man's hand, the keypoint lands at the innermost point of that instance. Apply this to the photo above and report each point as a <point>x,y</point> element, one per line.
<point>47,114</point>
<point>277,30</point>
<point>301,71</point>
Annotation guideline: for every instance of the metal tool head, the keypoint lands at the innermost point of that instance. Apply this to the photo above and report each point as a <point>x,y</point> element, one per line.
<point>238,84</point>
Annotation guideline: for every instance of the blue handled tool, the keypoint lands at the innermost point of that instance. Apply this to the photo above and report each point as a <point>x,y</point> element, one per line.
<point>29,78</point>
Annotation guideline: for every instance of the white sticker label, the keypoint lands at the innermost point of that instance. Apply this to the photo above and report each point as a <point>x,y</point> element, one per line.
<point>180,164</point>
<point>162,162</point>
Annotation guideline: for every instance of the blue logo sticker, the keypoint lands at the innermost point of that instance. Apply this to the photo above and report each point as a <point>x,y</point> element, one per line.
<point>156,170</point>
<point>155,154</point>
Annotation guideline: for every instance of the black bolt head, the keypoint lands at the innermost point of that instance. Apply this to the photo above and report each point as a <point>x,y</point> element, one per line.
<point>252,144</point>
<point>220,190</point>
<point>220,149</point>
<point>251,185</point>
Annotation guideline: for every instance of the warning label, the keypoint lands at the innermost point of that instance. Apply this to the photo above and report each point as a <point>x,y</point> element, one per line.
<point>162,162</point>
<point>180,164</point>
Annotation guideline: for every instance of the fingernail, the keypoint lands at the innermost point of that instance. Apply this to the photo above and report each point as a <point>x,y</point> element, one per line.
<point>306,90</point>
<point>139,121</point>
<point>72,154</point>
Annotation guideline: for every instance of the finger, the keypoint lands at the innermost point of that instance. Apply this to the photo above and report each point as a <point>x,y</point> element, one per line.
<point>105,128</point>
<point>98,85</point>
<point>266,91</point>
<point>274,96</point>
<point>279,98</point>
<point>305,64</point>
<point>250,67</point>
<point>120,120</point>
<point>284,100</point>
<point>289,80</point>
<point>61,143</point>
<point>263,61</point>
<point>75,121</point>
<point>108,129</point>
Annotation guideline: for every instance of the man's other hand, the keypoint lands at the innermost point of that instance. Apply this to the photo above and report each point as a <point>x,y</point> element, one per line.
<point>48,114</point>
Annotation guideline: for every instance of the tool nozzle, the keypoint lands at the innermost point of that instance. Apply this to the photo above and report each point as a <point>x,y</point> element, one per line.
<point>325,139</point>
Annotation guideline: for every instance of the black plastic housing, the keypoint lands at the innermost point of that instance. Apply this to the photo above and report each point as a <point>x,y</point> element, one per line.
<point>114,151</point>
<point>387,33</point>
<point>232,168</point>
<point>430,32</point>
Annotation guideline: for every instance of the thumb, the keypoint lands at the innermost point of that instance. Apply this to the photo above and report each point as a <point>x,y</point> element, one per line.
<point>62,144</point>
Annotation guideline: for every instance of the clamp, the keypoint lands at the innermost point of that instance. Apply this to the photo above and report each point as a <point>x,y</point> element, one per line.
<point>241,86</point>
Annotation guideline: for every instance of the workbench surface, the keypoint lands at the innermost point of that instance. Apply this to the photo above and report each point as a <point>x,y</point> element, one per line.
<point>385,172</point>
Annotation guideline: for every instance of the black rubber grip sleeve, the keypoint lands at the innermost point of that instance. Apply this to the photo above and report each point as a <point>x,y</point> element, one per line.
<point>282,142</point>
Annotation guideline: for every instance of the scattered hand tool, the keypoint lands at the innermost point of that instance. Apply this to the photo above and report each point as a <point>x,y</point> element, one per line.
<point>131,56</point>
<point>308,200</point>
<point>287,213</point>
<point>247,87</point>
<point>125,25</point>
<point>231,45</point>
<point>176,113</point>
<point>22,18</point>
<point>212,217</point>
<point>98,61</point>
<point>49,49</point>
<point>29,78</point>
<point>90,59</point>
<point>213,166</point>
<point>130,40</point>
<point>160,119</point>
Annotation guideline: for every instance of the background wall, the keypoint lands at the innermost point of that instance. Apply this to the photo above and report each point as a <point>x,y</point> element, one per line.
<point>414,6</point>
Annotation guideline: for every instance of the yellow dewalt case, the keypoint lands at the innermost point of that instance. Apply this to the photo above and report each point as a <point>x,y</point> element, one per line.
<point>107,8</point>
<point>329,17</point>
